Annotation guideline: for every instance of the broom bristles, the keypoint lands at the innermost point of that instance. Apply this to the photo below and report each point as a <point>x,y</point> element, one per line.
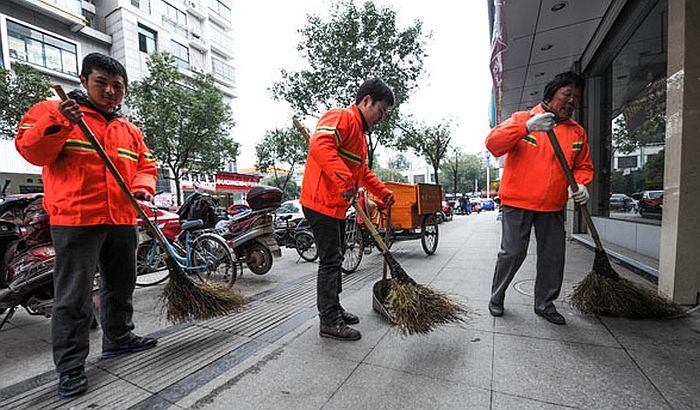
<point>183,300</point>
<point>418,309</point>
<point>601,295</point>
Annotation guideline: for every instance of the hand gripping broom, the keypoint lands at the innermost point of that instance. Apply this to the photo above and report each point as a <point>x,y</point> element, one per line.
<point>603,291</point>
<point>183,299</point>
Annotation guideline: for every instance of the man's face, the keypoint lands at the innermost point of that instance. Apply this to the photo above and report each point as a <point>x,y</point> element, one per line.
<point>106,91</point>
<point>565,101</point>
<point>373,111</point>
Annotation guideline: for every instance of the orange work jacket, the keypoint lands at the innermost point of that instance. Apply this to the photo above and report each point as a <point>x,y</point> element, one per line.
<point>532,177</point>
<point>78,188</point>
<point>337,162</point>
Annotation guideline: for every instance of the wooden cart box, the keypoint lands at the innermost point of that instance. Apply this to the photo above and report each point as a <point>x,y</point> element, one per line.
<point>412,201</point>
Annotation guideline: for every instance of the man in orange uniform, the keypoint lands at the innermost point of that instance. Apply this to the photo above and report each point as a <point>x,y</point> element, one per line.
<point>92,221</point>
<point>335,168</point>
<point>534,190</point>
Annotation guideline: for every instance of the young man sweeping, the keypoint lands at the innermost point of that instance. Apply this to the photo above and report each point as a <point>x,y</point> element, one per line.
<point>534,190</point>
<point>335,167</point>
<point>92,222</point>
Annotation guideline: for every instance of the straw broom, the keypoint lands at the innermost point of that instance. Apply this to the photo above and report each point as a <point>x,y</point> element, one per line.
<point>603,291</point>
<point>183,299</point>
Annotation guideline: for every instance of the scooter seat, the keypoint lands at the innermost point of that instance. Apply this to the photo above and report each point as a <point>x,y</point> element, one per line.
<point>193,224</point>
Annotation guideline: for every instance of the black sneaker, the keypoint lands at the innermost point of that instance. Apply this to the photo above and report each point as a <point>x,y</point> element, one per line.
<point>495,310</point>
<point>340,332</point>
<point>553,317</point>
<point>349,318</point>
<point>73,382</point>
<point>137,344</point>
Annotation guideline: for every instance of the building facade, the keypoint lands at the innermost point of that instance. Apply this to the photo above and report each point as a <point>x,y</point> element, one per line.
<point>53,36</point>
<point>640,108</point>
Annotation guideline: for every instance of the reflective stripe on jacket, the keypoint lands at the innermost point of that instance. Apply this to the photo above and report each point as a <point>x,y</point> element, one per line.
<point>78,188</point>
<point>532,177</point>
<point>337,162</point>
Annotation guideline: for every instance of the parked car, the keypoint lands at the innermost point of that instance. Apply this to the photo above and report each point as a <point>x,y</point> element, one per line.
<point>292,208</point>
<point>487,204</point>
<point>622,203</point>
<point>651,203</point>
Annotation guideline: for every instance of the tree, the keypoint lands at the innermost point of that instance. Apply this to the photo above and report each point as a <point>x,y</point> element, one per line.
<point>430,142</point>
<point>185,122</point>
<point>290,191</point>
<point>351,47</point>
<point>452,167</point>
<point>399,162</point>
<point>19,91</point>
<point>281,148</point>
<point>389,175</point>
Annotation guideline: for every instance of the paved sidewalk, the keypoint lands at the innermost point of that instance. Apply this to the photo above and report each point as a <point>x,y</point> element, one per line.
<point>271,356</point>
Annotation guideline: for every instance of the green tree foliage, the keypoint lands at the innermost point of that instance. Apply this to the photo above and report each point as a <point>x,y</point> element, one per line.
<point>389,175</point>
<point>399,162</point>
<point>290,191</point>
<point>469,167</point>
<point>185,122</point>
<point>355,44</point>
<point>281,149</point>
<point>428,141</point>
<point>20,89</point>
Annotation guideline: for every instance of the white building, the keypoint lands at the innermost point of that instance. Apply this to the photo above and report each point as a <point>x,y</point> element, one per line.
<point>54,35</point>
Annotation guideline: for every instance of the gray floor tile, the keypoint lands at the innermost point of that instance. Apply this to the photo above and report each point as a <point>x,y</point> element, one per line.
<point>507,402</point>
<point>372,387</point>
<point>571,374</point>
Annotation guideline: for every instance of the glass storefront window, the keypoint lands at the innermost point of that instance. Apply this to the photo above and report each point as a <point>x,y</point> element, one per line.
<point>638,121</point>
<point>41,49</point>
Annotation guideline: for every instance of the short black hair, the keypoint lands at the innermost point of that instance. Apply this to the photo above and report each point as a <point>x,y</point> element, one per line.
<point>377,89</point>
<point>562,80</point>
<point>99,61</point>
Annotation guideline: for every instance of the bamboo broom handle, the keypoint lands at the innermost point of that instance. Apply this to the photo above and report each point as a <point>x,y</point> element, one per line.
<point>115,173</point>
<point>574,187</point>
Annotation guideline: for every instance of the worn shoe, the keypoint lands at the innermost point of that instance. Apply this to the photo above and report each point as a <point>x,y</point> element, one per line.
<point>349,318</point>
<point>73,382</point>
<point>135,345</point>
<point>495,310</point>
<point>553,317</point>
<point>340,332</point>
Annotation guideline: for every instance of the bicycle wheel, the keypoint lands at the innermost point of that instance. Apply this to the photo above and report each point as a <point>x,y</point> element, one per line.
<point>211,259</point>
<point>306,247</point>
<point>150,264</point>
<point>429,234</point>
<point>354,246</point>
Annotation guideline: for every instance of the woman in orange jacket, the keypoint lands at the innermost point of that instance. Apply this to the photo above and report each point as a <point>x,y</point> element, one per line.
<point>533,190</point>
<point>335,168</point>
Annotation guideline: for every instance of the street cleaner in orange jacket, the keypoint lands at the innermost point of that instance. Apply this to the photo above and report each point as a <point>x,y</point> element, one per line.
<point>92,222</point>
<point>534,190</point>
<point>335,167</point>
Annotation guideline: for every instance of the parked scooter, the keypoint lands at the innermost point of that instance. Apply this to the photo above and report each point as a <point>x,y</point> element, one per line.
<point>250,233</point>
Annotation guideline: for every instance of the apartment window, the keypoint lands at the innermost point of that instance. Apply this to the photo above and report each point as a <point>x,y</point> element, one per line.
<point>181,54</point>
<point>73,6</point>
<point>143,5</point>
<point>222,70</point>
<point>220,9</point>
<point>175,19</point>
<point>148,40</point>
<point>34,47</point>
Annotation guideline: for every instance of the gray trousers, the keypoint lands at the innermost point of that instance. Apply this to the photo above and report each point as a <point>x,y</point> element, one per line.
<point>80,250</point>
<point>551,247</point>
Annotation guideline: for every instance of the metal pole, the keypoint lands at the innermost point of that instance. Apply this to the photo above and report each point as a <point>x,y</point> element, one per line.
<point>488,175</point>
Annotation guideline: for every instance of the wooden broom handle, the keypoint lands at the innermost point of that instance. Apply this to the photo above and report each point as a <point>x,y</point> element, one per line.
<point>574,186</point>
<point>115,173</point>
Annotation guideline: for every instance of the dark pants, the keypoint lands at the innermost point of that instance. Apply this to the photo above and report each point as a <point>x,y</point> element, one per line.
<point>80,250</point>
<point>329,235</point>
<point>549,232</point>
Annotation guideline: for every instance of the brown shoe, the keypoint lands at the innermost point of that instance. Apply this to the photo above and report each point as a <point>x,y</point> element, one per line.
<point>349,318</point>
<point>340,332</point>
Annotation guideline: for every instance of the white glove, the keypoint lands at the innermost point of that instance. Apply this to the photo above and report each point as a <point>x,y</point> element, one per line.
<point>581,196</point>
<point>541,122</point>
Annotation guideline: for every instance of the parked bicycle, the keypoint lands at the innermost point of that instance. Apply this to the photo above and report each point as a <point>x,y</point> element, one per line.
<point>296,235</point>
<point>205,256</point>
